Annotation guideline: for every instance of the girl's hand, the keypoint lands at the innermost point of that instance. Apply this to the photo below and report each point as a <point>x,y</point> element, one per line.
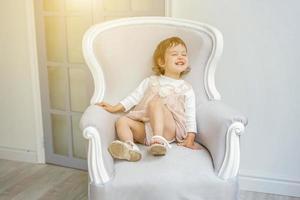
<point>189,142</point>
<point>107,107</point>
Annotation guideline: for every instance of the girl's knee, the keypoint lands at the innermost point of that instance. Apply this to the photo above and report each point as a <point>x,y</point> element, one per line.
<point>123,120</point>
<point>154,103</point>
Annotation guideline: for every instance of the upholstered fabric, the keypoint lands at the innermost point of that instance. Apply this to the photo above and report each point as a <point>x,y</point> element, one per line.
<point>183,174</point>
<point>213,121</point>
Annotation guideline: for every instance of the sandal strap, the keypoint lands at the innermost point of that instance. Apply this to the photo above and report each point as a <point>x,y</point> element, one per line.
<point>162,139</point>
<point>134,146</point>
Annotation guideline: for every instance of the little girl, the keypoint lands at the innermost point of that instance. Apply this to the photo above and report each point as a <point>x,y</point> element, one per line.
<point>164,109</point>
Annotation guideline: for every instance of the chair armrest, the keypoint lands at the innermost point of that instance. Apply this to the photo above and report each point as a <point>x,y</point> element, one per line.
<point>98,127</point>
<point>220,127</point>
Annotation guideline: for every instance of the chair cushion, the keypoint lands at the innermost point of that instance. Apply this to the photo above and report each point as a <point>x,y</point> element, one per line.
<point>181,174</point>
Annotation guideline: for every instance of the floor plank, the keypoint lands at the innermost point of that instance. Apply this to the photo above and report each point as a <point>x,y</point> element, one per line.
<point>248,195</point>
<point>73,187</point>
<point>26,181</point>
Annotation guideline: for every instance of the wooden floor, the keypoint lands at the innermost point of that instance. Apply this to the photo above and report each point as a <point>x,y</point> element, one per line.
<point>26,181</point>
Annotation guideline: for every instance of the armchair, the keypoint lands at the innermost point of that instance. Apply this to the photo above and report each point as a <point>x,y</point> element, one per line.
<point>118,54</point>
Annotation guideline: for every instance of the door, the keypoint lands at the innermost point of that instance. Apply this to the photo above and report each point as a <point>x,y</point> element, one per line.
<point>67,84</point>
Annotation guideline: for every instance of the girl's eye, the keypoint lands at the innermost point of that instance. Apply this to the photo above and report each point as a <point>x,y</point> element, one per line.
<point>174,54</point>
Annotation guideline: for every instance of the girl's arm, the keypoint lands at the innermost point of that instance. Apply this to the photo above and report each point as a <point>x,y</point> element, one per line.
<point>191,126</point>
<point>190,112</point>
<point>189,142</point>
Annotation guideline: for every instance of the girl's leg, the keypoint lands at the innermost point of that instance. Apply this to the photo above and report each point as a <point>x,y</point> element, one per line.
<point>161,119</point>
<point>127,130</point>
<point>130,130</point>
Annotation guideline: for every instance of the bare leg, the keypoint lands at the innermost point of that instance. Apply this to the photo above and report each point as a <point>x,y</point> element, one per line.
<point>161,119</point>
<point>127,130</point>
<point>130,130</point>
<point>156,116</point>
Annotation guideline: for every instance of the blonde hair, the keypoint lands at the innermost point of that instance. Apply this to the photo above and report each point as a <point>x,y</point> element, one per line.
<point>159,54</point>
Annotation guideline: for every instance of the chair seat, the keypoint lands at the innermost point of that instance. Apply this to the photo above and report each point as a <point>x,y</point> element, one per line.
<point>181,174</point>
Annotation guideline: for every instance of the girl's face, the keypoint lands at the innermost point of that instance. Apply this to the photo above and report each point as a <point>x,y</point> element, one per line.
<point>176,60</point>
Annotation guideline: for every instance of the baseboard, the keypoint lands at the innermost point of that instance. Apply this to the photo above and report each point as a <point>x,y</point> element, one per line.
<point>18,154</point>
<point>269,185</point>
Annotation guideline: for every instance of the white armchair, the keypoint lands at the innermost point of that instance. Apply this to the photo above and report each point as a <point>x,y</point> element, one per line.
<point>119,55</point>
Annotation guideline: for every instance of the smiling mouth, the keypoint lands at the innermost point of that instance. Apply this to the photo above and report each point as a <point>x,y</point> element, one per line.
<point>179,63</point>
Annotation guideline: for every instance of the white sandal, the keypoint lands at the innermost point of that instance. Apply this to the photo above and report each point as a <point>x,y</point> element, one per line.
<point>125,150</point>
<point>159,149</point>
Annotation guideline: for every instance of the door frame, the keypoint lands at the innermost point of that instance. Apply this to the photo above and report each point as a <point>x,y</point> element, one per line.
<point>33,51</point>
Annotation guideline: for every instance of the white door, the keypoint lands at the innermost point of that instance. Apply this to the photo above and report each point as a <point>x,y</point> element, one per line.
<point>66,81</point>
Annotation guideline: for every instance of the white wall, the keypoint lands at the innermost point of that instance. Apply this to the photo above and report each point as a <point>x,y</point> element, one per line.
<point>259,75</point>
<point>20,116</point>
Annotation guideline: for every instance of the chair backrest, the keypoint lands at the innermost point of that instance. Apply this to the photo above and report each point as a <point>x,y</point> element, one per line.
<point>119,54</point>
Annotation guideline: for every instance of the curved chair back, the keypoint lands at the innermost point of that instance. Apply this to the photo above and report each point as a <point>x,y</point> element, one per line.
<point>119,54</point>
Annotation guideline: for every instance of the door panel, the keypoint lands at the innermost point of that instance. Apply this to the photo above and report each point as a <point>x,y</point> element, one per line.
<point>60,134</point>
<point>53,5</point>
<point>55,39</point>
<point>116,5</point>
<point>76,27</point>
<point>57,79</point>
<point>70,84</point>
